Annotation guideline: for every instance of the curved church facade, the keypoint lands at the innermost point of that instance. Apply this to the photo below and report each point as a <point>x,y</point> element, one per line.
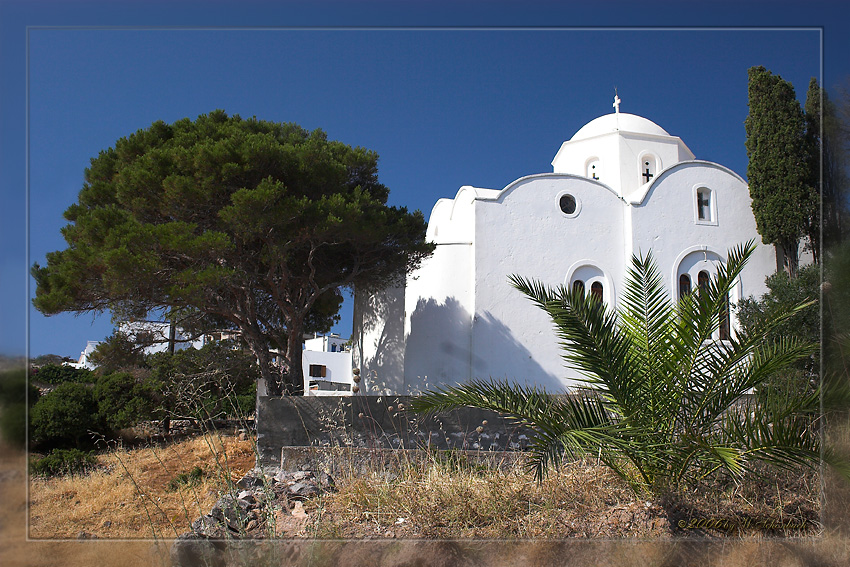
<point>620,186</point>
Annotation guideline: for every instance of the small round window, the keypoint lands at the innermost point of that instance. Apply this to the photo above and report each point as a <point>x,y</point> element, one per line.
<point>568,204</point>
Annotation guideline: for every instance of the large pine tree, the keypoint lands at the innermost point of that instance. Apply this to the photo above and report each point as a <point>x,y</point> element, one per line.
<point>782,186</point>
<point>252,224</point>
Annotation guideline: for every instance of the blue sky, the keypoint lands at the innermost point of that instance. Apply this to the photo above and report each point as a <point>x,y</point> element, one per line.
<point>443,107</point>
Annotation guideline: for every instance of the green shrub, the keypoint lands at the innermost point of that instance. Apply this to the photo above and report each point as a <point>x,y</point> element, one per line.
<point>65,417</point>
<point>13,424</point>
<point>124,400</point>
<point>202,383</point>
<point>246,404</point>
<point>13,405</point>
<point>191,478</point>
<point>783,295</point>
<point>59,374</point>
<point>63,461</point>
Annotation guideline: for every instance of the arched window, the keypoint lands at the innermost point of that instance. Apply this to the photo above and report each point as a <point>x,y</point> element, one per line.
<point>724,319</point>
<point>587,279</point>
<point>684,285</point>
<point>593,168</point>
<point>697,269</point>
<point>648,168</point>
<point>578,286</point>
<point>596,291</point>
<point>702,280</point>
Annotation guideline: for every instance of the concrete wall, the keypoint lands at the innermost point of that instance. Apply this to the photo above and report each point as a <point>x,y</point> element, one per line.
<point>368,422</point>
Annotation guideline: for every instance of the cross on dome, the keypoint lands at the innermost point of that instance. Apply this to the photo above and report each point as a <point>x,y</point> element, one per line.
<point>616,104</point>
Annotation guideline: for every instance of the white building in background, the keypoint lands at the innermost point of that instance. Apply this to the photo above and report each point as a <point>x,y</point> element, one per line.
<point>83,362</point>
<point>326,365</point>
<point>326,343</point>
<point>326,359</point>
<point>620,186</point>
<point>158,334</point>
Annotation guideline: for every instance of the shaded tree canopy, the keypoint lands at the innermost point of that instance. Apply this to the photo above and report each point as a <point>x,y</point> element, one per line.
<point>784,191</point>
<point>117,351</point>
<point>243,222</point>
<point>829,135</point>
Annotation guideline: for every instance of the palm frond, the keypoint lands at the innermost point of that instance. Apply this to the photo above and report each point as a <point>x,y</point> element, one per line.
<point>578,426</point>
<point>563,425</point>
<point>780,430</point>
<point>664,400</point>
<point>698,315</point>
<point>524,404</point>
<point>591,341</point>
<point>645,319</point>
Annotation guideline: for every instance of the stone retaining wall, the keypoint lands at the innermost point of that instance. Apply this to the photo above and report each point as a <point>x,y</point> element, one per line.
<point>342,461</point>
<point>376,422</point>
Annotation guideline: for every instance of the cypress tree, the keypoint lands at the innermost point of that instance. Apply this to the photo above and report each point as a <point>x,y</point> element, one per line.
<point>779,171</point>
<point>827,142</point>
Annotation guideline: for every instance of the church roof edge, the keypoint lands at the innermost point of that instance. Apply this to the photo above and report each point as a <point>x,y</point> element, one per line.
<point>619,122</point>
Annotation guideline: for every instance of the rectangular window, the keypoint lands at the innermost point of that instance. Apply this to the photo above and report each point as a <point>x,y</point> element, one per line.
<point>318,370</point>
<point>704,204</point>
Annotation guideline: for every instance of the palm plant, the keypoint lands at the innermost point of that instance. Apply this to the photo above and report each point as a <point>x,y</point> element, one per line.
<point>662,403</point>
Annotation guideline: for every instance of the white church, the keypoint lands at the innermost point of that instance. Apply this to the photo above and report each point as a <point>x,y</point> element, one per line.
<point>620,186</point>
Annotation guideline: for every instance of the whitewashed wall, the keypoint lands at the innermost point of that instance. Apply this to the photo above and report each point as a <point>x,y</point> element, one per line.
<point>439,300</point>
<point>524,232</point>
<point>459,318</point>
<point>378,340</point>
<point>671,203</point>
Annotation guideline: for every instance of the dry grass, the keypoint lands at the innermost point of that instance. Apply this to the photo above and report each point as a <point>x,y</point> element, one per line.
<point>581,500</point>
<point>451,503</point>
<point>128,495</point>
<point>582,512</point>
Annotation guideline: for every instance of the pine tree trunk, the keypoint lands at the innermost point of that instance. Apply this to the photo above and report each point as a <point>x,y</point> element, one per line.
<point>294,379</point>
<point>268,373</point>
<point>787,258</point>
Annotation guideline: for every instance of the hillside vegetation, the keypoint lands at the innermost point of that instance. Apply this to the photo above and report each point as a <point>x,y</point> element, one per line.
<point>152,492</point>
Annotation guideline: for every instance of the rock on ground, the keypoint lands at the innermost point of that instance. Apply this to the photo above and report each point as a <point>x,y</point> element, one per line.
<point>265,506</point>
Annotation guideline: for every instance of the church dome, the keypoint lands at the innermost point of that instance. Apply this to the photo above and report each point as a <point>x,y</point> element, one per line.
<point>622,122</point>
